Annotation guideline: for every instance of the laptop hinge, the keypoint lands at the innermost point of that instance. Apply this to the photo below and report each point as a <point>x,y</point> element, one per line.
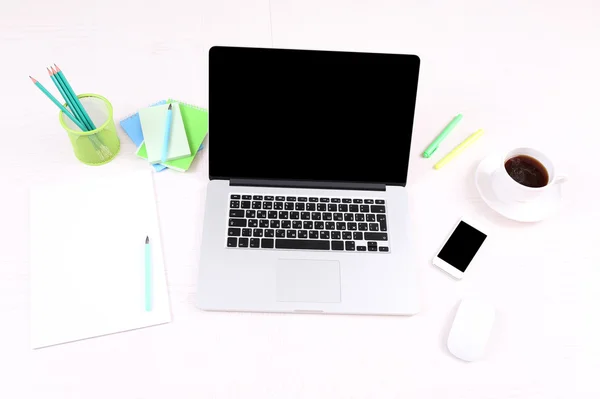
<point>307,184</point>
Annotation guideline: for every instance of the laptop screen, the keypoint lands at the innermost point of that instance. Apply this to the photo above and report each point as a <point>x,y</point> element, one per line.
<point>310,115</point>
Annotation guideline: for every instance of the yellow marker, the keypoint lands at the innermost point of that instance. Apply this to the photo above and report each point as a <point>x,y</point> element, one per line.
<point>459,148</point>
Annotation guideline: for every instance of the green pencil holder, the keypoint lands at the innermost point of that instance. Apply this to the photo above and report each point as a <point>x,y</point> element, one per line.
<point>98,146</point>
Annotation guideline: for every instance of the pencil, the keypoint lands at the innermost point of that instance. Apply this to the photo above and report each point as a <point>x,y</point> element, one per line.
<point>165,147</point>
<point>458,149</point>
<point>61,77</point>
<point>66,97</point>
<point>58,104</point>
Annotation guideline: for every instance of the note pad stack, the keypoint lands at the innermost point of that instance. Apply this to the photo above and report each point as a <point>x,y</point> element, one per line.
<point>153,127</point>
<point>195,122</point>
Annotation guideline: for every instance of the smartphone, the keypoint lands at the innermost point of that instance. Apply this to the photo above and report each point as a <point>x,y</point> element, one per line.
<point>459,250</point>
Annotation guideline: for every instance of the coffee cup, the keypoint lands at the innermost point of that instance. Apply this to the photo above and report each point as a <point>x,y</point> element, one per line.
<point>524,175</point>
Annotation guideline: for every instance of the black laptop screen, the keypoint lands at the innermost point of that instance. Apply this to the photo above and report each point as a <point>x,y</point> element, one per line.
<point>310,115</point>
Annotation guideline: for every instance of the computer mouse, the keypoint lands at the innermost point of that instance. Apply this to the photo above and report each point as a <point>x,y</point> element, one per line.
<point>471,329</point>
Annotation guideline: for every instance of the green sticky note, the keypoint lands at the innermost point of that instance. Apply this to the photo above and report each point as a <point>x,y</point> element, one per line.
<point>153,121</point>
<point>195,121</point>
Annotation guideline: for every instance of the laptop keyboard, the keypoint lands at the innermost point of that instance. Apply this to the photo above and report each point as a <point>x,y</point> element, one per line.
<point>307,223</point>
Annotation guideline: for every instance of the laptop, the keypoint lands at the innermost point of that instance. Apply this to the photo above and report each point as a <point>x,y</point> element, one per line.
<point>307,208</point>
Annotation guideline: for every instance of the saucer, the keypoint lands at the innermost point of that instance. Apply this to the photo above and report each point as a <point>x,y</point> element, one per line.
<point>532,211</point>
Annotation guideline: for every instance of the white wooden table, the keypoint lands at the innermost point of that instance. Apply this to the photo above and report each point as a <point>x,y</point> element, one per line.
<point>527,72</point>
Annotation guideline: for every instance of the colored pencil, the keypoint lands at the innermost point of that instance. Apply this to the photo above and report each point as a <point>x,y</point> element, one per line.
<point>61,76</point>
<point>67,98</point>
<point>58,104</point>
<point>165,147</point>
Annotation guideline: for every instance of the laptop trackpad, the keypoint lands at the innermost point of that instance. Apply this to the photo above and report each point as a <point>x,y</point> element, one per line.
<point>303,280</point>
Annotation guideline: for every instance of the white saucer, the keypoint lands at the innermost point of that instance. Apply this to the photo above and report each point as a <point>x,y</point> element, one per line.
<point>533,211</point>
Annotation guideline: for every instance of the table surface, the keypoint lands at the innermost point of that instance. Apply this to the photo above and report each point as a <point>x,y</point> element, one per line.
<point>526,72</point>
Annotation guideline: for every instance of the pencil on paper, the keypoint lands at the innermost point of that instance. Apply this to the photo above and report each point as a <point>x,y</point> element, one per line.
<point>165,147</point>
<point>147,277</point>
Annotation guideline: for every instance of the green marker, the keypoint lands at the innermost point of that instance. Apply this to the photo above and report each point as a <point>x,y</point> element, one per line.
<point>434,145</point>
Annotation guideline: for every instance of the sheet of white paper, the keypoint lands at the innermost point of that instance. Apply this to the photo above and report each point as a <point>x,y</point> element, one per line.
<point>87,259</point>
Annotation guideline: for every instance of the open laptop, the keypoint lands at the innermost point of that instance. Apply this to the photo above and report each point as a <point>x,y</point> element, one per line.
<point>306,208</point>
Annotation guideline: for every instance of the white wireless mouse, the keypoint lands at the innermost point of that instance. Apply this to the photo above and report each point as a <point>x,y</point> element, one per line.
<point>471,329</point>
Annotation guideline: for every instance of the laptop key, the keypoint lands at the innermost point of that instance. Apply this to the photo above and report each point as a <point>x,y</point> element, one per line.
<point>343,208</point>
<point>381,218</point>
<point>361,248</point>
<point>311,207</point>
<point>357,201</point>
<point>338,216</point>
<point>250,214</point>
<point>246,232</point>
<point>336,235</point>
<point>291,234</point>
<point>231,242</point>
<point>257,197</point>
<point>330,225</point>
<point>351,225</point>
<point>340,226</point>
<point>358,236</point>
<point>377,209</point>
<point>313,199</point>
<point>353,208</point>
<point>319,225</point>
<point>234,231</point>
<point>299,206</point>
<point>332,207</point>
<point>302,234</point>
<point>235,196</point>
<point>346,235</point>
<point>364,208</point>
<point>280,233</point>
<point>348,217</point>
<point>261,214</point>
<point>237,222</point>
<point>327,216</point>
<point>245,204</point>
<point>336,200</point>
<point>257,233</point>
<point>234,204</point>
<point>383,249</point>
<point>291,198</point>
<point>278,205</point>
<point>296,224</point>
<point>267,243</point>
<point>370,217</point>
<point>313,234</point>
<point>301,244</point>
<point>379,201</point>
<point>272,214</point>
<point>321,207</point>
<point>363,227</point>
<point>252,223</point>
<point>267,205</point>
<point>359,217</point>
<point>324,199</point>
<point>346,200</point>
<point>294,215</point>
<point>349,245</point>
<point>286,224</point>
<point>374,226</point>
<point>263,223</point>
<point>382,226</point>
<point>269,198</point>
<point>369,201</point>
<point>269,233</point>
<point>243,242</point>
<point>324,235</point>
<point>275,224</point>
<point>376,236</point>
<point>305,215</point>
<point>337,245</point>
<point>246,197</point>
<point>302,199</point>
<point>236,213</point>
<point>280,198</point>
<point>315,216</point>
<point>372,248</point>
<point>283,214</point>
<point>254,242</point>
<point>289,206</point>
<point>308,225</point>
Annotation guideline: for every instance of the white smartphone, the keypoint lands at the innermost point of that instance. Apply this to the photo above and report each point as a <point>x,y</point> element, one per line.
<point>459,250</point>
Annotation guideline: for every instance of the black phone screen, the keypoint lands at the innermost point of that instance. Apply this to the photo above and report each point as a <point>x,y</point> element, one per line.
<point>461,247</point>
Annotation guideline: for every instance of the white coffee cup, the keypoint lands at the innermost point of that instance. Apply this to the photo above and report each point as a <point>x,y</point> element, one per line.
<point>509,190</point>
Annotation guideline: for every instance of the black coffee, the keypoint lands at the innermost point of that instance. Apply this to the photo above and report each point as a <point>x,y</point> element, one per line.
<point>527,171</point>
